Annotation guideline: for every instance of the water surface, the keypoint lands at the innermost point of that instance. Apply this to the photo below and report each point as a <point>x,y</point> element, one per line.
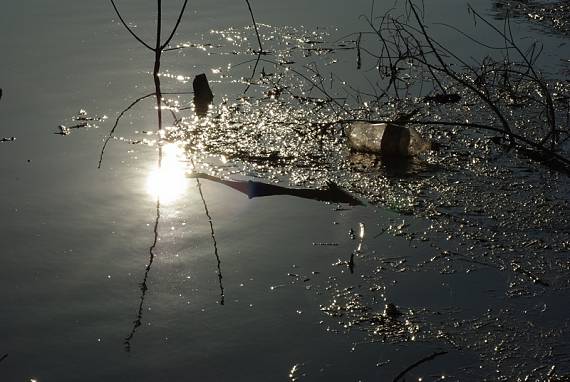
<point>95,286</point>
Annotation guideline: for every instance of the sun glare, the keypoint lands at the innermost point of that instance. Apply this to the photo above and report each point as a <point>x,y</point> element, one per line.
<point>168,182</point>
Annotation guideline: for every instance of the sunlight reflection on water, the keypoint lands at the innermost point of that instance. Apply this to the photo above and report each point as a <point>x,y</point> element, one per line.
<point>168,182</point>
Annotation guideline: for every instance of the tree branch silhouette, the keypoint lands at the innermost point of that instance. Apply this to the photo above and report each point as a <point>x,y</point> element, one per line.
<point>116,124</point>
<point>175,26</point>
<point>128,28</point>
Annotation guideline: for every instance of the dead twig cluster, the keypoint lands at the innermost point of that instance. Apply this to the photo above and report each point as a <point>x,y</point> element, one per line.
<point>501,84</point>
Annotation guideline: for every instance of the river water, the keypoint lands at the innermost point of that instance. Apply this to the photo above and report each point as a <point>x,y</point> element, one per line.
<point>95,286</point>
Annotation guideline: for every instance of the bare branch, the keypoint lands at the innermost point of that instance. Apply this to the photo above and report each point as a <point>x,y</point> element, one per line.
<point>175,26</point>
<point>128,28</point>
<point>416,364</point>
<point>116,123</point>
<point>255,26</point>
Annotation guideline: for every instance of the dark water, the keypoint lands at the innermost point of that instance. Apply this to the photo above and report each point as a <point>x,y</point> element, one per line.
<point>95,287</point>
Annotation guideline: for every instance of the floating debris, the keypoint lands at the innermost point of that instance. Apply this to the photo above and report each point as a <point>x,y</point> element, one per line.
<point>386,139</point>
<point>85,121</point>
<point>82,115</point>
<point>63,130</point>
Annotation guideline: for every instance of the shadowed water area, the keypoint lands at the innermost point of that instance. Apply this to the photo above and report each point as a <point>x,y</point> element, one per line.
<point>246,238</point>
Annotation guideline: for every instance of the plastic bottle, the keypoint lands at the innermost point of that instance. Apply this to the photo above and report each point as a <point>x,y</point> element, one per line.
<point>386,139</point>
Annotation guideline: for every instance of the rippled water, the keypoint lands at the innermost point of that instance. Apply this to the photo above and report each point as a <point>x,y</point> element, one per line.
<point>460,254</point>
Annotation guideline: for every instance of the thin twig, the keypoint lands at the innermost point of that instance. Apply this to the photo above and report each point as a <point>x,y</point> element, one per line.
<point>143,285</point>
<point>473,39</point>
<point>319,87</point>
<point>253,72</point>
<point>259,53</point>
<point>128,28</point>
<point>116,124</point>
<point>550,113</point>
<point>416,364</point>
<point>513,136</point>
<point>175,26</point>
<point>213,235</point>
<point>444,68</point>
<point>255,26</point>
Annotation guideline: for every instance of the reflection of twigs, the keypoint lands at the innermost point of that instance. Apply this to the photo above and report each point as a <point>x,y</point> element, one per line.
<point>255,26</point>
<point>445,69</point>
<point>416,364</point>
<point>116,123</point>
<point>259,53</point>
<point>215,243</point>
<point>401,42</point>
<point>121,115</point>
<point>128,28</point>
<point>175,26</point>
<point>253,72</point>
<point>565,162</point>
<point>469,37</point>
<point>3,357</point>
<point>143,285</point>
<point>313,83</point>
<point>159,46</point>
<point>157,54</point>
<point>158,49</point>
<point>549,105</point>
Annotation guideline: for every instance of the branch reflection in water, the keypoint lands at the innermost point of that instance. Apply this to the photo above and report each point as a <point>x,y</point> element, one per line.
<point>215,243</point>
<point>143,285</point>
<point>168,181</point>
<point>332,194</point>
